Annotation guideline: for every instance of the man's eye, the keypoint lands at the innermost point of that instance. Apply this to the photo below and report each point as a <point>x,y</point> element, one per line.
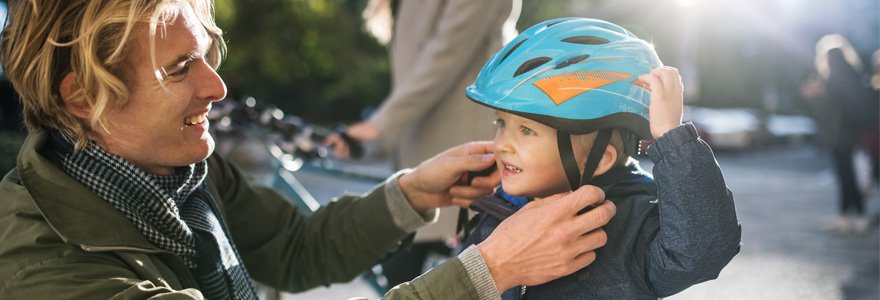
<point>179,72</point>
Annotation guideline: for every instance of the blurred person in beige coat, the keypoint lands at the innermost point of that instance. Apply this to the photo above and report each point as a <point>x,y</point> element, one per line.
<point>436,50</point>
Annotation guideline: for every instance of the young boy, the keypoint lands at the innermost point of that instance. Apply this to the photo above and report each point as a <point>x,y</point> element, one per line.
<point>583,90</point>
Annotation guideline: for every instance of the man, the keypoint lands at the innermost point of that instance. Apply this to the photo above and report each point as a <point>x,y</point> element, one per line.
<point>116,193</point>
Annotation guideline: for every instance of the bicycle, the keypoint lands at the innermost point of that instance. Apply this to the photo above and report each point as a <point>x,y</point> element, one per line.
<point>287,154</point>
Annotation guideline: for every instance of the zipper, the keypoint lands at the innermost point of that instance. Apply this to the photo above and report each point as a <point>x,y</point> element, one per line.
<point>88,248</point>
<point>185,279</point>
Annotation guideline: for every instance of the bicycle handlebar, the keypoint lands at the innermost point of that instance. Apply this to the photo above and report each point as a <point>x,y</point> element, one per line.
<point>299,138</point>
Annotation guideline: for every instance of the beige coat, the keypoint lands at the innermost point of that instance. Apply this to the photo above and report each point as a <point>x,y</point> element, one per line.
<point>437,50</point>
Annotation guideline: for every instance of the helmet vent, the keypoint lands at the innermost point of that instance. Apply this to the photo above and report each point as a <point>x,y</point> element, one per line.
<point>557,22</point>
<point>512,49</point>
<point>531,65</point>
<point>572,61</point>
<point>586,40</point>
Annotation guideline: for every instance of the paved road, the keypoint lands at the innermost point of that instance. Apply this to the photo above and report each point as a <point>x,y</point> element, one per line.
<point>784,194</point>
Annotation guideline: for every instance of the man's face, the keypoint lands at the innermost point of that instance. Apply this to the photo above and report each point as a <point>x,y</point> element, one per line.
<point>527,155</point>
<point>162,127</point>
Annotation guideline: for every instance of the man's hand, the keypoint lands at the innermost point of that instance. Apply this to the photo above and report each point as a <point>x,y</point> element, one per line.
<point>434,182</point>
<point>546,239</point>
<point>363,132</point>
<point>666,99</point>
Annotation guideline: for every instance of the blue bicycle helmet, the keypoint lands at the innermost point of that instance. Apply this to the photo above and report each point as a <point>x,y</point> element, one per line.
<point>578,76</point>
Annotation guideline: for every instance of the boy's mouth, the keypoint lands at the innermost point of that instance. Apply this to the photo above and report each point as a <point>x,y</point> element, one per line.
<point>511,168</point>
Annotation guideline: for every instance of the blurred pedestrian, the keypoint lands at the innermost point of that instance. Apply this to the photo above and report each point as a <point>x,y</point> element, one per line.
<point>871,139</point>
<point>845,108</point>
<point>436,50</point>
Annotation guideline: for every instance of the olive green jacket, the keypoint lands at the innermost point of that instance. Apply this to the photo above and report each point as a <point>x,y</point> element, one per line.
<point>60,241</point>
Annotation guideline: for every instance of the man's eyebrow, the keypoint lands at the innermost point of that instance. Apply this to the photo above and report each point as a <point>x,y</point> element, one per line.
<point>181,59</point>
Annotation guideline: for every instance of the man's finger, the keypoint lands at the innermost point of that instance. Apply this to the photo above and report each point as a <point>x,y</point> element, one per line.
<point>596,217</point>
<point>469,192</point>
<point>582,260</point>
<point>472,162</point>
<point>465,203</point>
<point>487,182</point>
<point>480,147</point>
<point>592,240</point>
<point>585,196</point>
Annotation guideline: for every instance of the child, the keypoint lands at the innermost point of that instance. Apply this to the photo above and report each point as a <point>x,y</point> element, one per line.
<point>571,89</point>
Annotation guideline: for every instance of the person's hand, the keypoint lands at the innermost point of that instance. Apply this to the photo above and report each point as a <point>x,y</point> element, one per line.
<point>546,239</point>
<point>436,182</point>
<point>812,88</point>
<point>363,132</point>
<point>667,99</point>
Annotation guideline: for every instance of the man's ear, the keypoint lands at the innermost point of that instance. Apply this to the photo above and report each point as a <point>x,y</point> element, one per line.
<point>74,105</point>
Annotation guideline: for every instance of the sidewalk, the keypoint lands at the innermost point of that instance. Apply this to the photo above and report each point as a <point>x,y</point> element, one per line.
<point>784,196</point>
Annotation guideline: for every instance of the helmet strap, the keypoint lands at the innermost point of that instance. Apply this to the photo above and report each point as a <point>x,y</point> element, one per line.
<point>569,163</point>
<point>596,153</point>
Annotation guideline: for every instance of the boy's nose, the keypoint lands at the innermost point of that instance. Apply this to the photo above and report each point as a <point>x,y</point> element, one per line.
<point>501,144</point>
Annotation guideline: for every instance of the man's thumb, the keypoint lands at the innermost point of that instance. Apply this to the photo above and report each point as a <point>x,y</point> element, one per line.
<point>479,162</point>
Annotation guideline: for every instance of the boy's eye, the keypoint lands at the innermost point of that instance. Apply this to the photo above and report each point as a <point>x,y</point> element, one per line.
<point>499,123</point>
<point>527,131</point>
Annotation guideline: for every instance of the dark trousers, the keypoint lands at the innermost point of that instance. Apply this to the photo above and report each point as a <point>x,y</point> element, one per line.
<point>844,169</point>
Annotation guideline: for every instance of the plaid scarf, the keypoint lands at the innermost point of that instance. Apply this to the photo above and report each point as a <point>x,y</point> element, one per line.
<point>173,212</point>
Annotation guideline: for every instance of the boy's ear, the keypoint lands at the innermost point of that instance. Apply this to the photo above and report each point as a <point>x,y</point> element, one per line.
<point>609,158</point>
<point>72,104</point>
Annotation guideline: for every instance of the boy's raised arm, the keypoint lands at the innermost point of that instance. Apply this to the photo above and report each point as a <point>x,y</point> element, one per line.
<point>699,232</point>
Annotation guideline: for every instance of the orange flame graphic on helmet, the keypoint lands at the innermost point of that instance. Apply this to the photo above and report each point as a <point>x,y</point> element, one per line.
<point>562,87</point>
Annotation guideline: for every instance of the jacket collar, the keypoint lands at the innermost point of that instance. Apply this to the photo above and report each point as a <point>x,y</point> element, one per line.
<point>76,214</point>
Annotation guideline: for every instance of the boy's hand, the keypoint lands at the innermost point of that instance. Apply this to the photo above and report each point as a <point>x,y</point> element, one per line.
<point>666,99</point>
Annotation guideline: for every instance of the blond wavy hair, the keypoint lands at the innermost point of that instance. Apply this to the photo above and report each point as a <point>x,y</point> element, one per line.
<point>835,41</point>
<point>45,40</point>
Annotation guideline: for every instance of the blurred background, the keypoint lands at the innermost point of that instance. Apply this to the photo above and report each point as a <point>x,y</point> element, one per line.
<point>743,63</point>
<point>313,59</point>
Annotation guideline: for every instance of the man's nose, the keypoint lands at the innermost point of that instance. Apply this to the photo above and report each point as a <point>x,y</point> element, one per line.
<point>211,86</point>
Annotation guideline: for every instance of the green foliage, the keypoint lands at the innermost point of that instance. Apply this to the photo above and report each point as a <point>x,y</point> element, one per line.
<point>312,58</point>
<point>309,57</point>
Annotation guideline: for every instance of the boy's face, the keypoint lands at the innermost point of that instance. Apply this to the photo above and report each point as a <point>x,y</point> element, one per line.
<point>528,157</point>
